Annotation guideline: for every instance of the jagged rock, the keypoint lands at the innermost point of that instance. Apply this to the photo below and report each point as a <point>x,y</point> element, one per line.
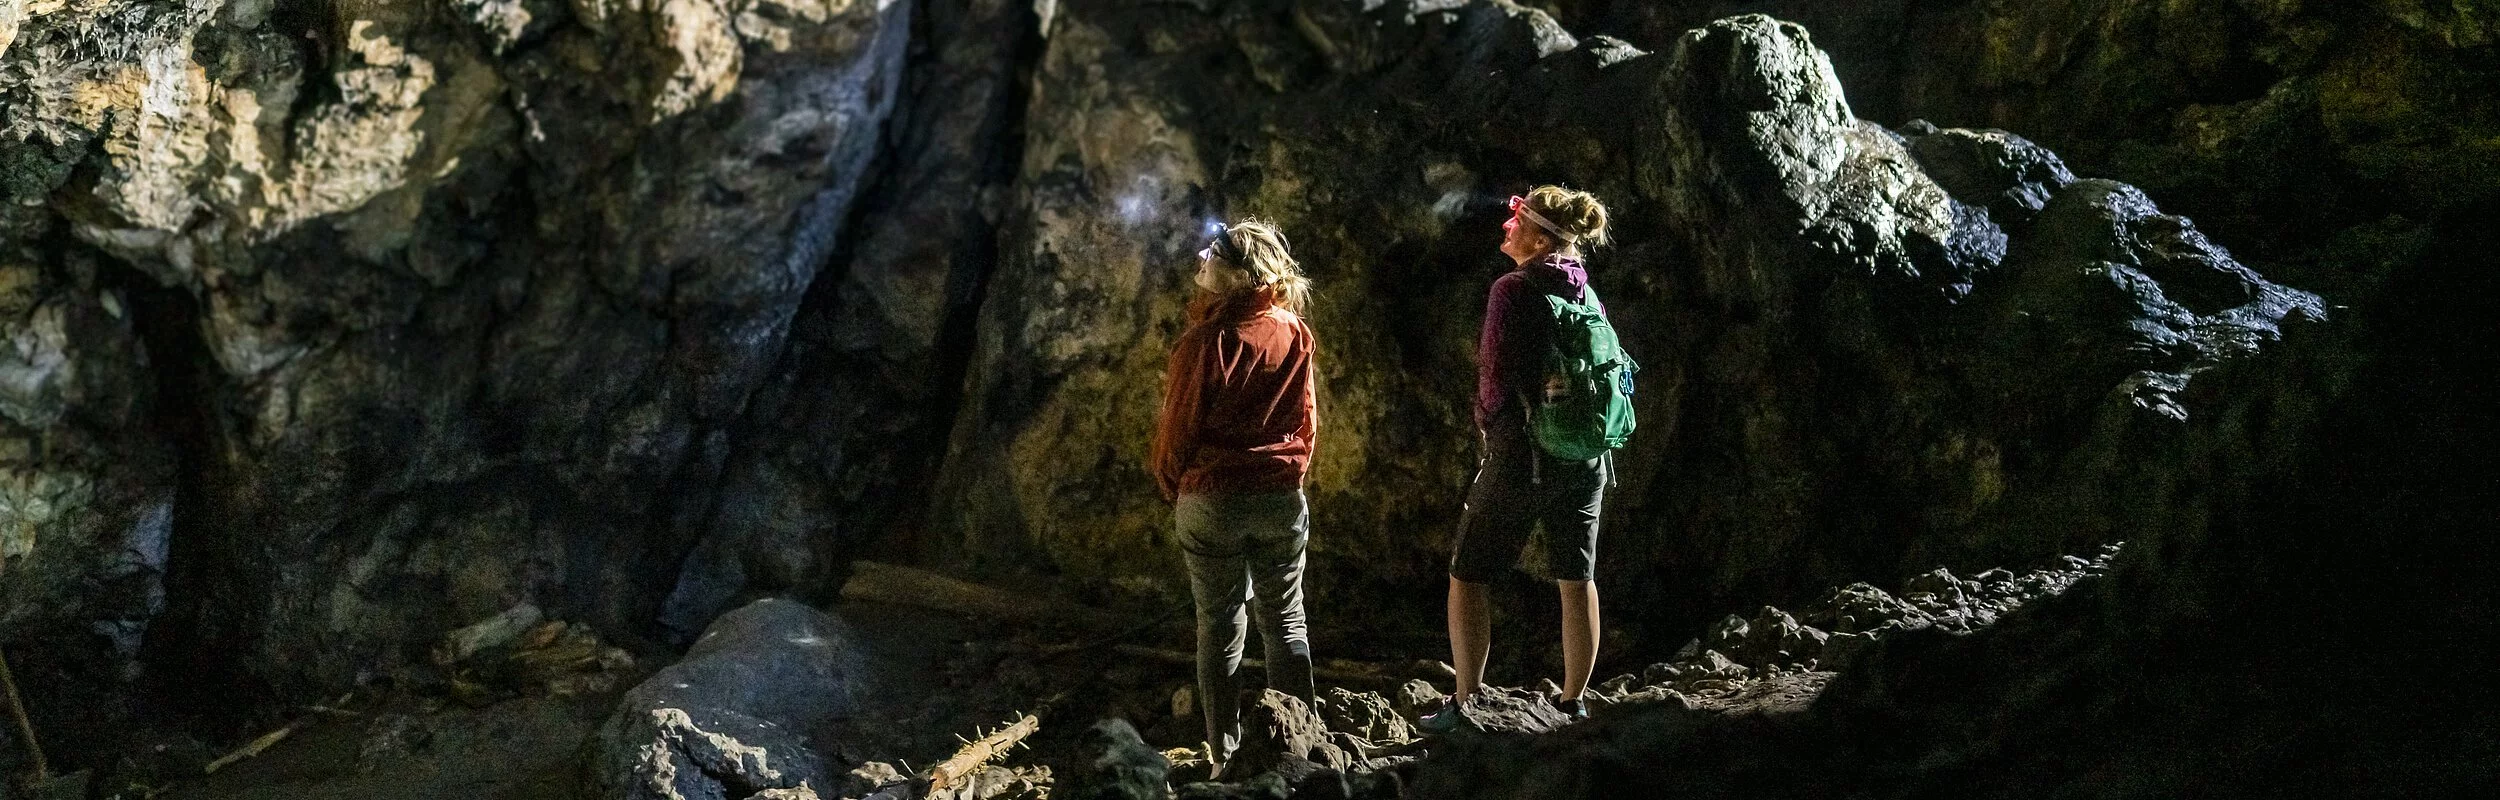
<point>1730,634</point>
<point>1277,730</point>
<point>1861,607</point>
<point>1417,697</point>
<point>735,715</point>
<point>1124,767</point>
<point>1657,673</point>
<point>740,756</point>
<point>1502,709</point>
<point>868,778</point>
<point>2006,174</point>
<point>1365,714</point>
<point>2143,297</point>
<point>1776,638</point>
<point>1711,664</point>
<point>1841,185</point>
<point>1996,582</point>
<point>1940,584</point>
<point>1620,684</point>
<point>510,23</point>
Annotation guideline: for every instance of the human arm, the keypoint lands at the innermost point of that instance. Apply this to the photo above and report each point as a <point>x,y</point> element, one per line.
<point>1184,405</point>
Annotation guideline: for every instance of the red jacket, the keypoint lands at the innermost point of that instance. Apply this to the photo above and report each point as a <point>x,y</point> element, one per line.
<point>1239,408</point>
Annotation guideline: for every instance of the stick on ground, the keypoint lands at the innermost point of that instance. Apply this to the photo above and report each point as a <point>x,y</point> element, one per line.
<point>247,751</point>
<point>973,755</point>
<point>271,738</point>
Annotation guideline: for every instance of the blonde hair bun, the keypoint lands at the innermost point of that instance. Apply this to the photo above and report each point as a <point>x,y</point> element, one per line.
<point>1576,212</point>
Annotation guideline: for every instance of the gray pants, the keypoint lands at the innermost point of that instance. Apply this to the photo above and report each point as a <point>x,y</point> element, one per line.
<point>1246,552</point>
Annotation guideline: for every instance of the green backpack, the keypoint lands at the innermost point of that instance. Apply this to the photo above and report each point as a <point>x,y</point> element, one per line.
<point>1591,414</point>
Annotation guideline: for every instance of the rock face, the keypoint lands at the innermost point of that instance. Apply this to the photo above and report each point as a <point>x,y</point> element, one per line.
<point>334,325</point>
<point>344,322</point>
<point>733,719</point>
<point>838,446</point>
<point>1848,362</point>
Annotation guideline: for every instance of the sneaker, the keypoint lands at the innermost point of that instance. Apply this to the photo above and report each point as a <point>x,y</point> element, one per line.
<point>1448,719</point>
<point>1577,710</point>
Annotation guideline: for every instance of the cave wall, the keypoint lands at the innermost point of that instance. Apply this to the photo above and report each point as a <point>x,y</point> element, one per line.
<point>2302,132</point>
<point>337,324</point>
<point>1866,352</point>
<point>418,309</point>
<point>838,446</point>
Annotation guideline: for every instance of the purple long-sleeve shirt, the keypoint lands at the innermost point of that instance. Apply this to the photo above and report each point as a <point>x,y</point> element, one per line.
<point>1514,337</point>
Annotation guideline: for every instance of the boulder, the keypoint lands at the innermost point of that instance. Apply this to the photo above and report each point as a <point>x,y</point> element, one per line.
<point>735,716</point>
<point>1122,767</point>
<point>1280,732</point>
<point>1418,697</point>
<point>1365,714</point>
<point>1503,709</point>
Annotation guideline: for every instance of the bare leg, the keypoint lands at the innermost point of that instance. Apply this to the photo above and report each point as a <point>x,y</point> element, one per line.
<point>1471,635</point>
<point>1579,634</point>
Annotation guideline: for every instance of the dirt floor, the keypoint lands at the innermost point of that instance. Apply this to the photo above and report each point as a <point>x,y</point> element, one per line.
<point>933,676</point>
<point>520,749</point>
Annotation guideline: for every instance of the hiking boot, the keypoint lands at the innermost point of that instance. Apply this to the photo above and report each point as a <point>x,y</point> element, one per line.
<point>1448,719</point>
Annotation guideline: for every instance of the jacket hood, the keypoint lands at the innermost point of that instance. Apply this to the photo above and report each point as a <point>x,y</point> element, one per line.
<point>1557,272</point>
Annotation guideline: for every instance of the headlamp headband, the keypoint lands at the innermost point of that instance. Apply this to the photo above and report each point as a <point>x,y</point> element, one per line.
<point>1520,204</point>
<point>1226,249</point>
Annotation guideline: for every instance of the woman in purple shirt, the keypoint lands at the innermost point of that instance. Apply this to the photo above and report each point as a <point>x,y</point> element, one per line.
<point>1518,484</point>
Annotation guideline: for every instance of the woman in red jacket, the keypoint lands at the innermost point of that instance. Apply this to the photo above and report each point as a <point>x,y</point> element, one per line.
<point>1231,446</point>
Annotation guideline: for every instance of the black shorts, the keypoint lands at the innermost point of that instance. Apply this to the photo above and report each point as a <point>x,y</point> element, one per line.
<point>1519,486</point>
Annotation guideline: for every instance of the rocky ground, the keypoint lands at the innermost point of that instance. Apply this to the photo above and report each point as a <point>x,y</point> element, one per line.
<point>516,709</point>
